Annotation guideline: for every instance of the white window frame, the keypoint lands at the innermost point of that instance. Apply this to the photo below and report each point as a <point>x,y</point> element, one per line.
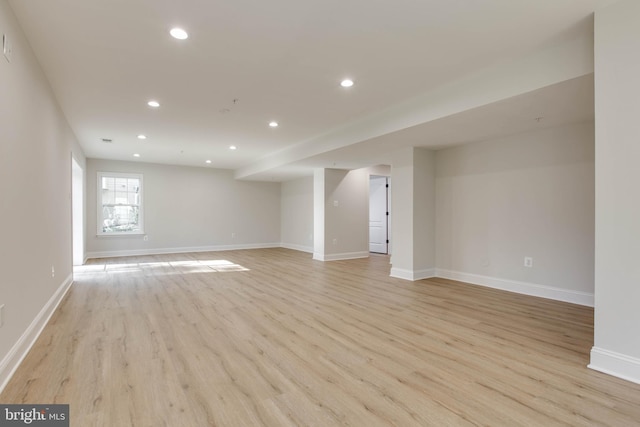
<point>100,204</point>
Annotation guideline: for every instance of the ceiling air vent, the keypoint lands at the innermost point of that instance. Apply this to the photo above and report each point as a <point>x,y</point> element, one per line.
<point>107,140</point>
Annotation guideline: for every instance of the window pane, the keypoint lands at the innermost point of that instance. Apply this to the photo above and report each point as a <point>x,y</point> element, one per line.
<point>134,190</point>
<point>133,199</point>
<point>121,191</point>
<point>119,205</point>
<point>107,218</point>
<point>133,185</point>
<point>108,187</point>
<point>120,218</point>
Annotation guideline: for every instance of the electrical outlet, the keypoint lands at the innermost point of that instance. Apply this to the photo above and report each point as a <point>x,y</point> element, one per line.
<point>335,241</point>
<point>146,238</point>
<point>1,315</point>
<point>53,271</point>
<point>233,235</point>
<point>336,203</point>
<point>528,262</point>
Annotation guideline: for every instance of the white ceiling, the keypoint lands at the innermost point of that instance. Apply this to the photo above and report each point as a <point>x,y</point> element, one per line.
<point>248,62</point>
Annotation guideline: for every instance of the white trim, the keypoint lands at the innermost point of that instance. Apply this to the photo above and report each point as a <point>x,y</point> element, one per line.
<point>532,289</point>
<point>161,251</point>
<point>340,257</point>
<point>121,234</point>
<point>18,352</point>
<point>308,249</point>
<point>616,364</point>
<point>412,275</point>
<point>318,256</point>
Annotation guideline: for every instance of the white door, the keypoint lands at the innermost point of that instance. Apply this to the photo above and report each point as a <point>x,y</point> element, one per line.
<point>378,214</point>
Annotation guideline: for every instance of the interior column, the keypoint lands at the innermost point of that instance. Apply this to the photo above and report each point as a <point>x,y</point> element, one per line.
<point>413,207</point>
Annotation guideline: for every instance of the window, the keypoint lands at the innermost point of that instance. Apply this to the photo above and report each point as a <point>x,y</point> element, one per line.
<point>119,204</point>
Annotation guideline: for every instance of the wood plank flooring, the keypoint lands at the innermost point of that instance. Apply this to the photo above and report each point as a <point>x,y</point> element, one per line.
<point>272,338</point>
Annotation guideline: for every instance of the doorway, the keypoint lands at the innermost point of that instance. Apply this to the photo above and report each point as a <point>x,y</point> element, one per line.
<point>379,214</point>
<point>77,212</point>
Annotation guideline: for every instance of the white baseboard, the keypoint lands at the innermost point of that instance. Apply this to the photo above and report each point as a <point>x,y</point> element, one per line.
<point>412,275</point>
<point>163,251</point>
<point>308,249</point>
<point>339,257</point>
<point>12,360</point>
<point>616,364</point>
<point>532,289</point>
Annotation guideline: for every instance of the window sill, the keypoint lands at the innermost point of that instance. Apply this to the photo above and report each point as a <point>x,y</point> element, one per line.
<point>135,234</point>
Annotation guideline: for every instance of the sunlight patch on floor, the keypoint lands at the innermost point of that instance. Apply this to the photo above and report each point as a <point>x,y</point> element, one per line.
<point>163,267</point>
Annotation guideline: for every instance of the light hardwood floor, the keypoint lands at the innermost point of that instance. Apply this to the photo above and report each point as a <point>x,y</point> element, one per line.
<point>270,337</point>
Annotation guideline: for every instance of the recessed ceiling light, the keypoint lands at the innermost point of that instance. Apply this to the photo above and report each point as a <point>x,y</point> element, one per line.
<point>273,124</point>
<point>346,83</point>
<point>141,136</point>
<point>179,33</point>
<point>208,162</point>
<point>232,147</point>
<point>154,104</point>
<point>136,155</point>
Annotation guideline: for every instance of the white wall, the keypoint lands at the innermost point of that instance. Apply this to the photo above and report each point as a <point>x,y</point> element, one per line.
<point>379,170</point>
<point>36,146</point>
<point>349,221</point>
<point>525,195</point>
<point>187,209</point>
<point>402,213</point>
<point>341,214</point>
<point>424,201</point>
<point>617,268</point>
<point>296,214</point>
<point>319,208</point>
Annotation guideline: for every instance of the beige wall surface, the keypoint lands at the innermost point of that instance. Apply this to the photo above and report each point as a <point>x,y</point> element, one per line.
<point>424,211</point>
<point>187,208</point>
<point>347,224</point>
<point>617,267</point>
<point>529,195</point>
<point>402,176</point>
<point>296,214</point>
<point>36,145</point>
